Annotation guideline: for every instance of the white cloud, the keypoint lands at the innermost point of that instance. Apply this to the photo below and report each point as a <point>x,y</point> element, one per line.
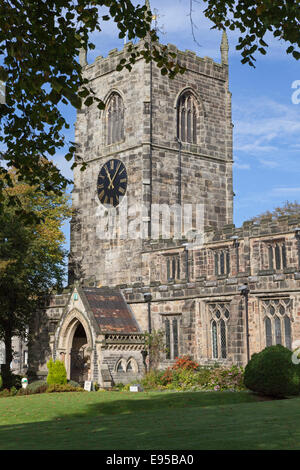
<point>286,191</point>
<point>265,127</point>
<point>242,166</point>
<point>239,165</point>
<point>269,163</point>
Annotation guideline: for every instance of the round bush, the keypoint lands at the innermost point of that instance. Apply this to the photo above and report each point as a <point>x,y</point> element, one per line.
<point>73,383</point>
<point>271,372</point>
<point>37,387</point>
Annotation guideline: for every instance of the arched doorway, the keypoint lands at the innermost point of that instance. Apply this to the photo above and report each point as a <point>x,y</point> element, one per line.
<point>80,360</point>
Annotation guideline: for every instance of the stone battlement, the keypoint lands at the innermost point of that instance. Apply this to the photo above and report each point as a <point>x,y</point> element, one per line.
<point>187,58</point>
<point>250,229</point>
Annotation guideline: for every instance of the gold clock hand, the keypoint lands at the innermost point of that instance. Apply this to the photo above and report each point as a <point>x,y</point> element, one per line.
<point>114,176</point>
<point>110,184</point>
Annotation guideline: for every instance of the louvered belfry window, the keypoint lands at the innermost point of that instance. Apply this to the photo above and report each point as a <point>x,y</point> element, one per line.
<point>115,119</point>
<point>277,255</point>
<point>187,118</point>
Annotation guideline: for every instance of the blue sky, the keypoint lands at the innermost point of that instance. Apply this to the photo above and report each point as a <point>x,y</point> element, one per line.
<point>266,134</point>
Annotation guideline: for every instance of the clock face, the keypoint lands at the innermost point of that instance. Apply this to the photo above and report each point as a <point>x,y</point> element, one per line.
<point>112,183</point>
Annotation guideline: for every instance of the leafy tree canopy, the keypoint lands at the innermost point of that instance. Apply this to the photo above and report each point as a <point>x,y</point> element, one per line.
<point>39,47</point>
<point>289,208</point>
<point>31,255</point>
<point>254,19</point>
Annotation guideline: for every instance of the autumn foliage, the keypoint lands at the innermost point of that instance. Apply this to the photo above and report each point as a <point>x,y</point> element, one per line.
<point>32,257</point>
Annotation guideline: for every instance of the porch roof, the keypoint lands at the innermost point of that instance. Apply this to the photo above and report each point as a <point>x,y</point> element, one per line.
<point>110,310</point>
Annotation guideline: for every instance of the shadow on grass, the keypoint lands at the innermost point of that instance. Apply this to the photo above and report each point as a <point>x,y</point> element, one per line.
<point>127,402</point>
<point>190,420</point>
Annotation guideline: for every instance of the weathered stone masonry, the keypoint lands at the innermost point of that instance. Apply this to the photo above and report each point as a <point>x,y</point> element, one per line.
<point>96,326</point>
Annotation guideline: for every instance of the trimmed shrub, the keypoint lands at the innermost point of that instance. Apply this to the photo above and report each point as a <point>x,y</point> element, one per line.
<point>54,388</point>
<point>5,393</point>
<point>73,383</point>
<point>271,372</point>
<point>33,386</point>
<point>24,391</point>
<point>57,373</point>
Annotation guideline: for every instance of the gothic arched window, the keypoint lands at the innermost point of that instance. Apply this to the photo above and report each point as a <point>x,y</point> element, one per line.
<point>187,118</point>
<point>114,119</point>
<point>278,322</point>
<point>131,365</point>
<point>219,329</point>
<point>120,366</point>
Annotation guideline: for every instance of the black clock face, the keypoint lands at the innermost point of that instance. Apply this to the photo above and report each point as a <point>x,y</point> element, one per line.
<point>112,183</point>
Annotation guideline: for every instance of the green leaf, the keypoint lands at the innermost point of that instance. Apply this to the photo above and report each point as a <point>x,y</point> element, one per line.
<point>89,101</point>
<point>69,156</point>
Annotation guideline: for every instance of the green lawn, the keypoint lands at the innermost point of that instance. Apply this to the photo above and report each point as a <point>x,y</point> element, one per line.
<point>153,421</point>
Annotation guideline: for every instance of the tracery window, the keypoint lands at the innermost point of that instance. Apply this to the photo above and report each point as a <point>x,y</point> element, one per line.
<point>115,119</point>
<point>277,322</point>
<point>187,118</point>
<point>219,314</point>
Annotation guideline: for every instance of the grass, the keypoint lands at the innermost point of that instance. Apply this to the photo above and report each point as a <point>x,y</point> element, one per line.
<point>148,421</point>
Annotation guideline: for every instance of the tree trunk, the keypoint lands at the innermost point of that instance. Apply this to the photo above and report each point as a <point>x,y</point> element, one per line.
<point>5,368</point>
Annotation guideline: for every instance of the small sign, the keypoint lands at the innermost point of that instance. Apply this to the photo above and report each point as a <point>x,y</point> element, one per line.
<point>88,385</point>
<point>136,388</point>
<point>2,353</point>
<point>24,382</point>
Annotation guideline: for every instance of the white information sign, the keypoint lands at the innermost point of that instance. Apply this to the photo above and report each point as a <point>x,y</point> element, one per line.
<point>136,388</point>
<point>88,385</point>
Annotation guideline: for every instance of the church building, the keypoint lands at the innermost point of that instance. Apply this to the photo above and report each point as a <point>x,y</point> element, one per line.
<point>153,244</point>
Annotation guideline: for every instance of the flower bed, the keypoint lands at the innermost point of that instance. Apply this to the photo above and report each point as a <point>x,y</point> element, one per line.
<point>186,374</point>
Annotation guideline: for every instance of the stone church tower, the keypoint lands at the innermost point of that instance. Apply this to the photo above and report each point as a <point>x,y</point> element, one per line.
<point>173,140</point>
<point>153,244</point>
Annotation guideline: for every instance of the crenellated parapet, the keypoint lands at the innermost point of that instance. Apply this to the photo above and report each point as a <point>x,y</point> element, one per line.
<point>267,226</point>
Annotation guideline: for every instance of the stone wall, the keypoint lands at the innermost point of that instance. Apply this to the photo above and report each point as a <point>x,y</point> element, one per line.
<point>157,172</point>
